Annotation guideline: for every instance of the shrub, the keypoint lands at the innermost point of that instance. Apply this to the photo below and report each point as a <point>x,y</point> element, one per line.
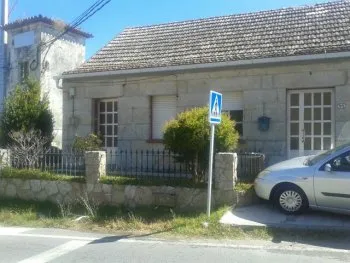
<point>27,147</point>
<point>28,174</point>
<point>156,181</point>
<point>188,136</point>
<point>92,142</point>
<point>244,187</point>
<point>24,110</point>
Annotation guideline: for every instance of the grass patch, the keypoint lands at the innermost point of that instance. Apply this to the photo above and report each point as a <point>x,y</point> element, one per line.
<point>163,222</point>
<point>156,181</point>
<point>243,187</point>
<point>37,174</point>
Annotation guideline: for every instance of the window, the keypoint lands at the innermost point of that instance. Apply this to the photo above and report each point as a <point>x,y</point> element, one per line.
<point>108,122</point>
<point>233,105</point>
<point>24,39</point>
<point>23,70</point>
<point>237,116</point>
<point>163,110</point>
<point>341,163</point>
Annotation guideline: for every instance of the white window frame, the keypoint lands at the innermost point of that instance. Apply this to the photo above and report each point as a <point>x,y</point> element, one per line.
<point>301,151</point>
<point>106,124</point>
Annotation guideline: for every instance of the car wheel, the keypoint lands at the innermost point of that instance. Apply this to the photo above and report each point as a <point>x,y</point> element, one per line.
<point>291,200</point>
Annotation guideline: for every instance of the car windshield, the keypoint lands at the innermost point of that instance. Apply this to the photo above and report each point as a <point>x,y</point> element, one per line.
<point>315,159</point>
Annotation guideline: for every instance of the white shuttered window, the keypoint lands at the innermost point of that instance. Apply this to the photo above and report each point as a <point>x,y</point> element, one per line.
<point>232,101</point>
<point>163,110</point>
<point>233,104</point>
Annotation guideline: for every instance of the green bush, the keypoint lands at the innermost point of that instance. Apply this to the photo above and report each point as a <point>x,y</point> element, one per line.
<point>92,142</point>
<point>127,180</point>
<point>24,110</point>
<point>29,174</point>
<point>188,136</point>
<point>244,187</point>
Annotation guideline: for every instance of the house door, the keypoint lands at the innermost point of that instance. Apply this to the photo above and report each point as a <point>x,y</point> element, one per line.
<point>108,123</point>
<point>108,128</point>
<point>310,121</point>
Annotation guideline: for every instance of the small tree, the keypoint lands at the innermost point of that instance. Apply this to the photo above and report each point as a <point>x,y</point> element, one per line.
<point>24,110</point>
<point>188,136</point>
<point>27,147</point>
<point>92,142</point>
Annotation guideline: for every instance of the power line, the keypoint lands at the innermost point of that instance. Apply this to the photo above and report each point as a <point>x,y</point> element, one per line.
<point>13,7</point>
<point>89,12</point>
<point>93,9</point>
<point>85,13</point>
<point>97,6</point>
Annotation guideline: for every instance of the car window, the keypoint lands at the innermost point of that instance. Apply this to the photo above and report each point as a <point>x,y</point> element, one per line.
<point>323,155</point>
<point>341,163</point>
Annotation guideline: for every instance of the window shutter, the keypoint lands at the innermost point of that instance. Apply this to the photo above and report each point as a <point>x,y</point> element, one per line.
<point>163,110</point>
<point>232,101</point>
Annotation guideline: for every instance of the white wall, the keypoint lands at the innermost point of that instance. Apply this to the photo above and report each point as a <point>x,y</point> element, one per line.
<point>65,54</point>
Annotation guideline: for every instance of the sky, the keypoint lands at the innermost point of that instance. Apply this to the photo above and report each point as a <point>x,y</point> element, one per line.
<point>119,14</point>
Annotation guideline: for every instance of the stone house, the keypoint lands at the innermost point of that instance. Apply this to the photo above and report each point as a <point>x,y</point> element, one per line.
<point>32,53</point>
<point>291,65</point>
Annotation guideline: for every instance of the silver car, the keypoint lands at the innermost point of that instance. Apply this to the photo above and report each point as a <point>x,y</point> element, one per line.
<point>320,182</point>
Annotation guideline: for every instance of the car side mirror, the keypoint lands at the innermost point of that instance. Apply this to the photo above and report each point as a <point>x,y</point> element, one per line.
<point>328,168</point>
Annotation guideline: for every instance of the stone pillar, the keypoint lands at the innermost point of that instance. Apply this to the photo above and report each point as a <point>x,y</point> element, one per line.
<point>95,166</point>
<point>225,173</point>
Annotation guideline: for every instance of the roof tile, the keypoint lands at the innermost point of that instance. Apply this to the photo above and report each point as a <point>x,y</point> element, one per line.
<point>277,33</point>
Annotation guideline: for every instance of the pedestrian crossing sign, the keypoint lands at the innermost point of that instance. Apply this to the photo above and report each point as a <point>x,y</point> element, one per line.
<point>215,106</point>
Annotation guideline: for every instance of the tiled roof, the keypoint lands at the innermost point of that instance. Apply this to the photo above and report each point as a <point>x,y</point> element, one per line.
<point>306,30</point>
<point>35,19</point>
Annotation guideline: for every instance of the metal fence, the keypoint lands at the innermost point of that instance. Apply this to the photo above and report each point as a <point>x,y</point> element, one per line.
<point>55,160</point>
<point>249,165</point>
<point>146,164</point>
<point>132,163</point>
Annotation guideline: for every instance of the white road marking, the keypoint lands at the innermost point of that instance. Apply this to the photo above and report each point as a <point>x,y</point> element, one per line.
<point>285,246</point>
<point>51,236</point>
<point>5,231</point>
<point>55,252</point>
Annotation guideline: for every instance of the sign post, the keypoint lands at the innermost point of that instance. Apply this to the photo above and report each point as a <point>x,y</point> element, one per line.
<point>215,107</point>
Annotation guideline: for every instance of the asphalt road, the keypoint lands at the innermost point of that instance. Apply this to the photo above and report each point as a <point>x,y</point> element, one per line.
<point>52,245</point>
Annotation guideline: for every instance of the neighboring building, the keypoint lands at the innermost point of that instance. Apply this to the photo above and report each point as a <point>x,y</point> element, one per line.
<point>291,65</point>
<point>31,54</point>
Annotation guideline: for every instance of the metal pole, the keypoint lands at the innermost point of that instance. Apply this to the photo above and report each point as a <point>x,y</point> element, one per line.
<point>210,176</point>
<point>3,48</point>
<point>4,18</point>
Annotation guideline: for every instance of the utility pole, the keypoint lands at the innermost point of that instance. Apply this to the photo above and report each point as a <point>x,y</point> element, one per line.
<point>3,51</point>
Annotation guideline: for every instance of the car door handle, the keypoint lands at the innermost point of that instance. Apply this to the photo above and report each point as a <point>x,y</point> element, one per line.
<point>304,178</point>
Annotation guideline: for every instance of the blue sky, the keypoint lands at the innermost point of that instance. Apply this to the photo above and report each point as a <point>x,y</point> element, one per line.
<point>118,14</point>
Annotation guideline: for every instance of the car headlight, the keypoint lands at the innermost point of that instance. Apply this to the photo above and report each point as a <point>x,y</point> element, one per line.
<point>263,173</point>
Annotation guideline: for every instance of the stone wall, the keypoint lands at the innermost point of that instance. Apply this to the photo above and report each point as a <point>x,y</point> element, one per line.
<point>40,190</point>
<point>129,195</point>
<point>264,90</point>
